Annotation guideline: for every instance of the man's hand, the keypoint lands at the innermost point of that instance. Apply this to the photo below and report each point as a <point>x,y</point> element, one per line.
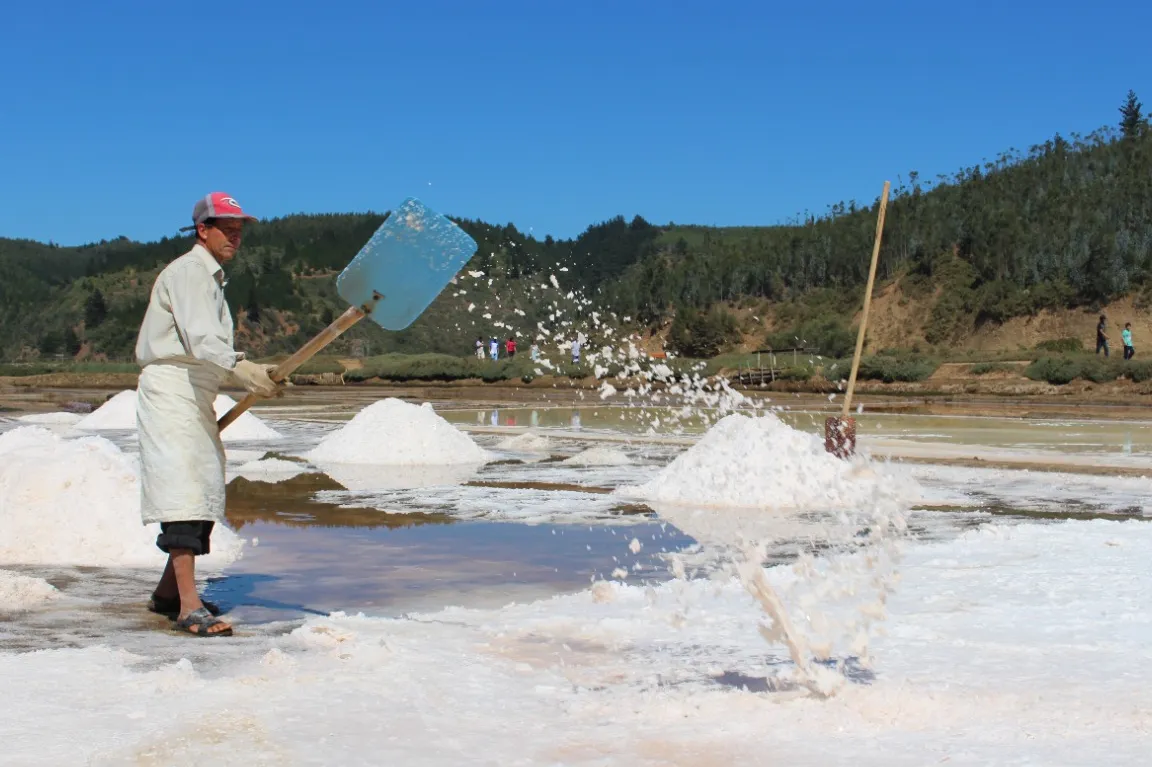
<point>254,378</point>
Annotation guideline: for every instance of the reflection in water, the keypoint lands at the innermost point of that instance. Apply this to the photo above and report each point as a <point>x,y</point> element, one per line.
<point>479,564</point>
<point>292,503</point>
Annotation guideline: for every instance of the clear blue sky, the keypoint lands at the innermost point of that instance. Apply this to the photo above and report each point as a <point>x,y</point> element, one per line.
<point>116,116</point>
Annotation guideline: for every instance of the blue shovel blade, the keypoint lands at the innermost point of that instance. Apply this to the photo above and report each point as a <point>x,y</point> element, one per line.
<point>405,265</point>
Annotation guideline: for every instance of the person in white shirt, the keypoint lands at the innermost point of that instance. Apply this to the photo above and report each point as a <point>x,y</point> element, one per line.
<point>185,350</point>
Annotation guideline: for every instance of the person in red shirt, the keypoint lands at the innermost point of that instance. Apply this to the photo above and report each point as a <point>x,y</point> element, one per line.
<point>510,347</point>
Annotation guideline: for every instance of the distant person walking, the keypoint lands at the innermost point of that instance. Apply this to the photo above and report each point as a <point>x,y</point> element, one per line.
<point>1126,337</point>
<point>480,347</point>
<point>510,347</point>
<point>534,351</point>
<point>1101,336</point>
<point>576,351</point>
<point>494,348</point>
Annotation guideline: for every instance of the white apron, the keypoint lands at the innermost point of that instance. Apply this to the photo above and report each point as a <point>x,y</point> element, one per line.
<point>181,456</point>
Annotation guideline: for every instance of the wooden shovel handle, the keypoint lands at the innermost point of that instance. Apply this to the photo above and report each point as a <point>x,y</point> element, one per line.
<point>867,302</point>
<point>302,355</point>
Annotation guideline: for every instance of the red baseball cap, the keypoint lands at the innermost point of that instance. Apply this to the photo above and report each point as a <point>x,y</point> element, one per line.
<point>216,205</point>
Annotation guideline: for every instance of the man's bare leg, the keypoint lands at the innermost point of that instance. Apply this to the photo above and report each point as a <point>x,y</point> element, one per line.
<point>166,588</point>
<point>183,565</point>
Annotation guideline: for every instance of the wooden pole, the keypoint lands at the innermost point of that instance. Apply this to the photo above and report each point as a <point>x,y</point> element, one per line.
<point>867,301</point>
<point>840,433</point>
<point>303,354</point>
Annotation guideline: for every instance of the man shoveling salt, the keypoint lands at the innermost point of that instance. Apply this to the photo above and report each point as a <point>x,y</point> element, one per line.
<point>185,350</point>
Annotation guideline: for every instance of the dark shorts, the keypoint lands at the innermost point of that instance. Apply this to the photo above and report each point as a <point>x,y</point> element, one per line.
<point>185,535</point>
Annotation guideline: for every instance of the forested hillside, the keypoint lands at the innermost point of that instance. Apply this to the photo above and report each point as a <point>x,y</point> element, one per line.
<point>1065,223</point>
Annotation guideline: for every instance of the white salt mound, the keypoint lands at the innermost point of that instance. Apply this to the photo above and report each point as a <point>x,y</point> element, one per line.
<point>117,413</point>
<point>246,427</point>
<point>528,442</point>
<point>120,413</point>
<point>599,456</point>
<point>51,419</point>
<point>763,463</point>
<point>397,433</point>
<point>271,469</point>
<point>20,592</point>
<point>77,502</point>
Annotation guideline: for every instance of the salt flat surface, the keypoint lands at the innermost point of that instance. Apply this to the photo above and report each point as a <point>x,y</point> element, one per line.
<point>1023,644</point>
<point>1033,490</point>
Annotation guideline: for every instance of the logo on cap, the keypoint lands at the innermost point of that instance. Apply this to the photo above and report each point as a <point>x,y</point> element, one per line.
<point>230,202</point>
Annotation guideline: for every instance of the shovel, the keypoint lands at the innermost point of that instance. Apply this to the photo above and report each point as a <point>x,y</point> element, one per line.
<point>392,280</point>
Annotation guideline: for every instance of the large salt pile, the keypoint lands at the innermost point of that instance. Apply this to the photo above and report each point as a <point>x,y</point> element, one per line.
<point>120,413</point>
<point>77,502</point>
<point>761,462</point>
<point>396,433</point>
<point>246,427</point>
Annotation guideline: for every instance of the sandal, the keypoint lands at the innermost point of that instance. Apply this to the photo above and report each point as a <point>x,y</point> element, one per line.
<point>203,620</point>
<point>170,607</point>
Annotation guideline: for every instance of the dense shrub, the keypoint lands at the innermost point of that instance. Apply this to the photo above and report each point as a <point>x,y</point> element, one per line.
<point>702,334</point>
<point>1054,370</point>
<point>826,336</point>
<point>1061,345</point>
<point>1101,369</point>
<point>1139,371</point>
<point>889,368</point>
<point>983,368</point>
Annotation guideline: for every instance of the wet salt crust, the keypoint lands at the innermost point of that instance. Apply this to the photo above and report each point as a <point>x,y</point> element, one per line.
<point>119,413</point>
<point>21,592</point>
<point>77,502</point>
<point>1022,645</point>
